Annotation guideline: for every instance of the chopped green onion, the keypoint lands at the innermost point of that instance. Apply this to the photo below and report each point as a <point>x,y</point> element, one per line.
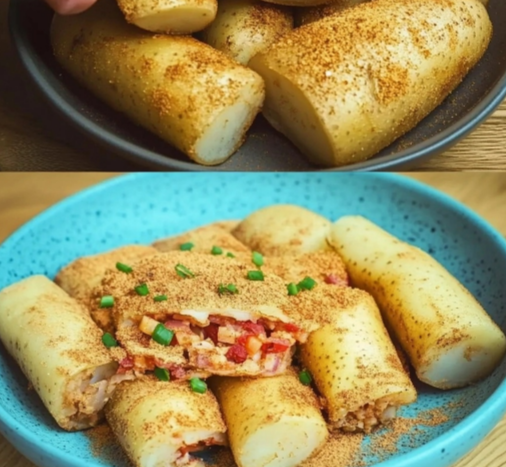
<point>109,341</point>
<point>162,335</point>
<point>230,255</point>
<point>255,275</point>
<point>216,250</point>
<point>186,246</point>
<point>123,267</point>
<point>198,385</point>
<point>183,271</point>
<point>230,289</point>
<point>162,374</point>
<point>160,298</point>
<point>257,258</point>
<point>305,377</point>
<point>306,284</point>
<point>107,301</point>
<point>292,289</point>
<point>142,290</point>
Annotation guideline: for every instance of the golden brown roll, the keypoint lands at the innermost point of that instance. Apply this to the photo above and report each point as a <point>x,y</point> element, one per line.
<point>284,229</point>
<point>353,362</point>
<point>218,319</point>
<point>161,423</point>
<point>59,349</point>
<point>449,338</point>
<point>272,422</point>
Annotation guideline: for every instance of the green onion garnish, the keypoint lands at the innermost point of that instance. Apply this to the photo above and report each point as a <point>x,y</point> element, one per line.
<point>216,250</point>
<point>198,385</point>
<point>255,275</point>
<point>230,255</point>
<point>160,298</point>
<point>306,284</point>
<point>183,271</point>
<point>257,258</point>
<point>162,335</point>
<point>142,290</point>
<point>162,374</point>
<point>292,289</point>
<point>123,267</point>
<point>107,301</point>
<point>109,341</point>
<point>230,289</point>
<point>305,377</point>
<point>186,246</point>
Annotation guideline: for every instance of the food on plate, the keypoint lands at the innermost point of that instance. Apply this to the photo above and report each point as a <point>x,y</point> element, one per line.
<point>346,86</point>
<point>272,422</point>
<point>169,16</point>
<point>59,349</point>
<point>162,424</point>
<point>207,239</point>
<point>243,28</point>
<point>81,276</point>
<point>284,229</point>
<point>322,266</point>
<point>449,338</point>
<point>353,362</point>
<point>191,95</point>
<point>314,13</point>
<point>191,312</point>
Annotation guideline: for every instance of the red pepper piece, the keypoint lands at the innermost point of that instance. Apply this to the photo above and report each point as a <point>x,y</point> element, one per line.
<point>237,353</point>
<point>211,332</point>
<point>289,327</point>
<point>275,347</point>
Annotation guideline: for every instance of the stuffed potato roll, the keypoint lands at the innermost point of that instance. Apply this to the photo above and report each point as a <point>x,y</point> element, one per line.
<point>272,422</point>
<point>189,94</point>
<point>346,86</point>
<point>160,424</point>
<point>449,338</point>
<point>353,362</point>
<point>59,349</point>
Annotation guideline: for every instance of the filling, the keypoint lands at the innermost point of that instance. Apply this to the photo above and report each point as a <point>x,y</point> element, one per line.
<point>87,394</point>
<point>222,344</point>
<point>368,416</point>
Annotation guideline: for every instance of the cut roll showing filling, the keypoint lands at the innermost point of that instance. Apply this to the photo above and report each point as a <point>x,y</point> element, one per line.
<point>214,319</point>
<point>272,422</point>
<point>354,364</point>
<point>59,349</point>
<point>161,424</point>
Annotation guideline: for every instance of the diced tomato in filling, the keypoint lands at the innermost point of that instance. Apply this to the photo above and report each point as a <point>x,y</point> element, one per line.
<point>237,353</point>
<point>211,332</point>
<point>253,328</point>
<point>289,327</point>
<point>177,372</point>
<point>124,365</point>
<point>174,341</point>
<point>275,346</point>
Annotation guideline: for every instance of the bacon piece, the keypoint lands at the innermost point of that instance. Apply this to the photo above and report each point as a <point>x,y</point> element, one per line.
<point>335,280</point>
<point>211,332</point>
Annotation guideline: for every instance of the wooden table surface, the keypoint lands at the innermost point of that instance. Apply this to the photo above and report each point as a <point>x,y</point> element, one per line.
<point>23,196</point>
<point>32,138</point>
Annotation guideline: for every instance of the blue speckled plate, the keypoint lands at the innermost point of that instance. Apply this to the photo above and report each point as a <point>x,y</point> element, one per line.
<point>142,208</point>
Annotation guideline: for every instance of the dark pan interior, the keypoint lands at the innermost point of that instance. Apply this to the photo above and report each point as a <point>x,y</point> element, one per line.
<point>265,149</point>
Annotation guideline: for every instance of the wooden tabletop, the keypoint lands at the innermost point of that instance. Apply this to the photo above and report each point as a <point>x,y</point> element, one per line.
<point>32,137</point>
<point>23,196</point>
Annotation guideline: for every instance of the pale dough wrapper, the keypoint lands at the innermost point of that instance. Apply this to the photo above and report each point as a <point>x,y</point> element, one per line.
<point>158,423</point>
<point>355,365</point>
<point>59,349</point>
<point>272,422</point>
<point>449,338</point>
<point>284,229</point>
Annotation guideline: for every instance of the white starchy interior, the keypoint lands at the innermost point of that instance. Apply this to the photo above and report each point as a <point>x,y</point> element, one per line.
<point>184,19</point>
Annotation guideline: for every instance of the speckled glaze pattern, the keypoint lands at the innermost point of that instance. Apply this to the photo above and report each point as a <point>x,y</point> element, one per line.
<point>140,208</point>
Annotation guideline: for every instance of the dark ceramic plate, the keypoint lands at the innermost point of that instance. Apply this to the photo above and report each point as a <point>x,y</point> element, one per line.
<point>265,149</point>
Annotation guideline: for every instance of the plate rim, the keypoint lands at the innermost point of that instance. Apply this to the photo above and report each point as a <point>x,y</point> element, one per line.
<point>491,410</point>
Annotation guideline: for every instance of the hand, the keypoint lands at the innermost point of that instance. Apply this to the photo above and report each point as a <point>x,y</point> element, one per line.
<point>69,7</point>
